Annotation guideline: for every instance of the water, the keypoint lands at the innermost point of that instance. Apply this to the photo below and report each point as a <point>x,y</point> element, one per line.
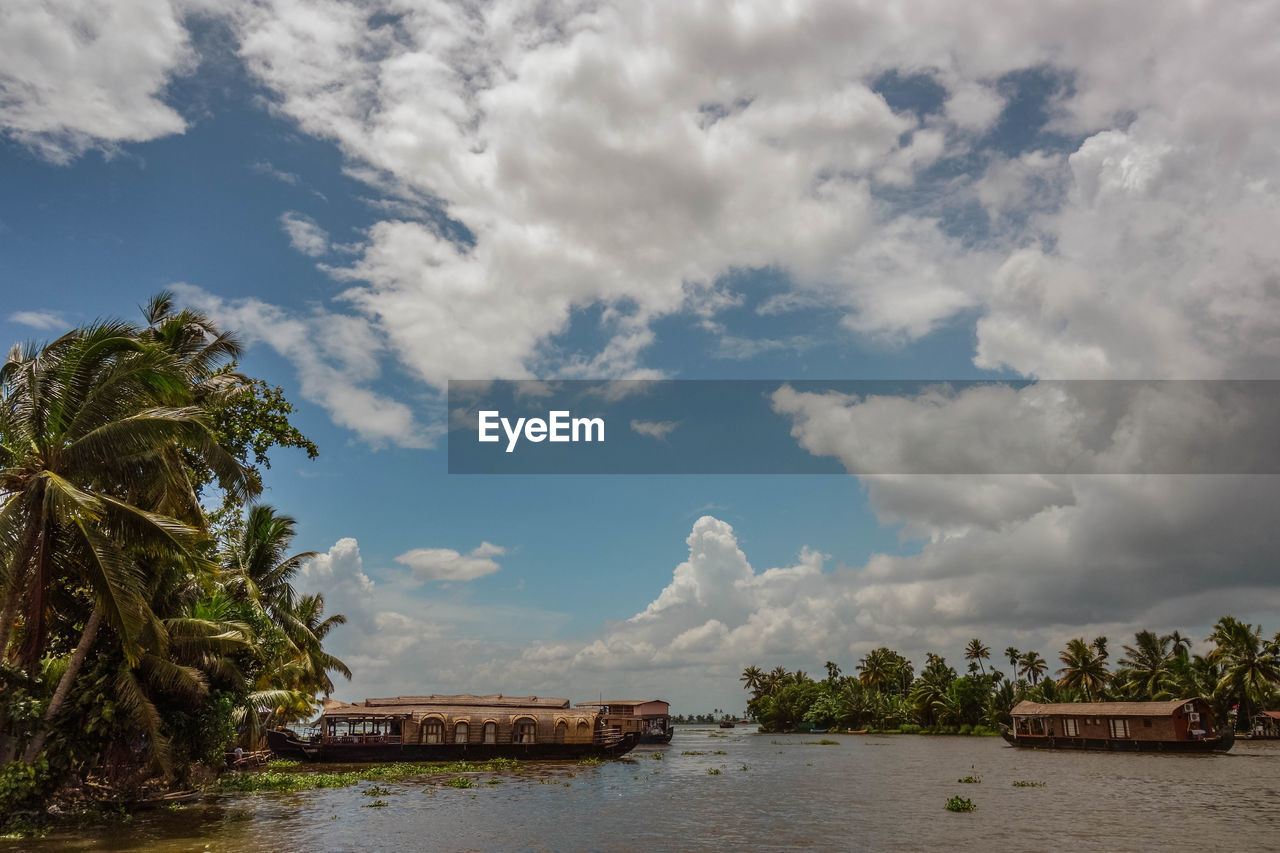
<point>869,792</point>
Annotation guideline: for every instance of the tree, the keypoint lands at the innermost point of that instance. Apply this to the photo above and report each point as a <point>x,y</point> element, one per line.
<point>1083,669</point>
<point>976,651</point>
<point>1251,664</point>
<point>1014,657</point>
<point>1145,665</point>
<point>1033,666</point>
<point>753,680</point>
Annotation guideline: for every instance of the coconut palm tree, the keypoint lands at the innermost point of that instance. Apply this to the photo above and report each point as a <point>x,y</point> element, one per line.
<point>976,651</point>
<point>1033,666</point>
<point>1251,664</point>
<point>753,679</point>
<point>93,489</point>
<point>1014,657</point>
<point>1146,665</point>
<point>1082,669</point>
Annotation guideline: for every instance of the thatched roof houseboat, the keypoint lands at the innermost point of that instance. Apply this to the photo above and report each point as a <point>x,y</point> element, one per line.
<point>648,718</point>
<point>454,727</point>
<point>1179,725</point>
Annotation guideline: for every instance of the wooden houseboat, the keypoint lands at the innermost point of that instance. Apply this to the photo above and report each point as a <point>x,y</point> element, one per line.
<point>648,718</point>
<point>1180,725</point>
<point>451,728</point>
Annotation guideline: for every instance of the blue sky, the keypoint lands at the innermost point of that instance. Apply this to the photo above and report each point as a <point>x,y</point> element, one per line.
<point>383,197</point>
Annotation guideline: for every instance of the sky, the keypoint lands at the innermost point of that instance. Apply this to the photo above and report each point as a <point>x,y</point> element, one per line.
<point>383,197</point>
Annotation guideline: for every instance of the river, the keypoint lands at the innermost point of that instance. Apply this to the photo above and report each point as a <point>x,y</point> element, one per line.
<point>774,792</point>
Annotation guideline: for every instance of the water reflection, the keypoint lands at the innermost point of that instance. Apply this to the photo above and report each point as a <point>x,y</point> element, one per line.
<point>739,789</point>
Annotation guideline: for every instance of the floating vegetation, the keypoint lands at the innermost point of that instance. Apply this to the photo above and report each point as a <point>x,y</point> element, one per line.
<point>716,734</point>
<point>714,771</point>
<point>693,752</point>
<point>1028,784</point>
<point>277,780</point>
<point>823,742</point>
<point>376,804</point>
<point>589,761</point>
<point>744,767</point>
<point>657,756</point>
<point>719,752</point>
<point>460,782</point>
<point>282,764</point>
<point>960,804</point>
<point>494,782</point>
<point>375,791</point>
<point>972,780</point>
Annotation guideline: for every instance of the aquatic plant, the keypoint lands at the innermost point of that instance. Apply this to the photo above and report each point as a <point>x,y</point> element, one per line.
<point>714,771</point>
<point>1028,784</point>
<point>589,761</point>
<point>459,782</point>
<point>960,804</point>
<point>719,752</point>
<point>823,742</point>
<point>693,752</point>
<point>972,780</point>
<point>376,804</point>
<point>744,767</point>
<point>375,791</point>
<point>657,756</point>
<point>494,782</point>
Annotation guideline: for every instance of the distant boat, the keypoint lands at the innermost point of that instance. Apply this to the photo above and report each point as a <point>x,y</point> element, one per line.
<point>855,731</point>
<point>727,724</point>
<point>818,731</point>
<point>451,728</point>
<point>1181,725</point>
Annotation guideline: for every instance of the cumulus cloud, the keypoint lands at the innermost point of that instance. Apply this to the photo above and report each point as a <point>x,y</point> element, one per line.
<point>305,234</point>
<point>445,564</point>
<point>75,76</point>
<point>38,319</point>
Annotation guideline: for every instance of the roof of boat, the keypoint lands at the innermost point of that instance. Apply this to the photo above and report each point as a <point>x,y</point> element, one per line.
<point>454,704</point>
<point>1102,709</point>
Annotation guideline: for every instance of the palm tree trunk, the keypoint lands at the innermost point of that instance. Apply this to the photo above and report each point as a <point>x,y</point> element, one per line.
<point>6,622</point>
<point>64,684</point>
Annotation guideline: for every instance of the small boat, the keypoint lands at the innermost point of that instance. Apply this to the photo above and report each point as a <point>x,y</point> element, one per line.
<point>855,731</point>
<point>454,728</point>
<point>1180,725</point>
<point>818,731</point>
<point>727,724</point>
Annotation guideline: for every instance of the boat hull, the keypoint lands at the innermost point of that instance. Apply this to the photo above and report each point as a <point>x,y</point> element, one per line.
<point>1222,743</point>
<point>285,745</point>
<point>662,738</point>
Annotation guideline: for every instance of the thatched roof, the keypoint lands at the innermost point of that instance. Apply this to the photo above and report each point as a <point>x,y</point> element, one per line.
<point>1101,709</point>
<point>460,706</point>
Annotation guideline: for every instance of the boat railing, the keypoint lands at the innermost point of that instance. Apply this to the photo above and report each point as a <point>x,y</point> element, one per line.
<point>363,739</point>
<point>607,736</point>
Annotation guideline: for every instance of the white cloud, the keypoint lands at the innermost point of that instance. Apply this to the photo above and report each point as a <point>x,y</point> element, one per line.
<point>336,357</point>
<point>445,564</point>
<point>38,319</point>
<point>654,429</point>
<point>77,75</point>
<point>305,234</point>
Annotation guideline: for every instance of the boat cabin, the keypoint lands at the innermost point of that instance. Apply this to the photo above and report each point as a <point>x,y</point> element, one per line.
<point>1177,720</point>
<point>459,719</point>
<point>1267,724</point>
<point>646,717</point>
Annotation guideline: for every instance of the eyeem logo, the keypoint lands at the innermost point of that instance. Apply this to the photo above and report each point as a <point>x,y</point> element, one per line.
<point>558,426</point>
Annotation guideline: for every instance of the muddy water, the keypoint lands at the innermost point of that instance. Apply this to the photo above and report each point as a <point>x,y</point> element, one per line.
<point>773,792</point>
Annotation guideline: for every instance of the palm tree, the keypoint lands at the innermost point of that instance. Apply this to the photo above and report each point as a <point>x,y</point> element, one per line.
<point>1146,665</point>
<point>1014,657</point>
<point>258,571</point>
<point>1083,669</point>
<point>309,612</point>
<point>1033,666</point>
<point>93,488</point>
<point>1100,646</point>
<point>977,651</point>
<point>753,678</point>
<point>1251,664</point>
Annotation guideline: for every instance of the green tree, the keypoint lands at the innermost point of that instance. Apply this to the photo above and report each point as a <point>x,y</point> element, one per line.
<point>1250,662</point>
<point>1083,669</point>
<point>977,651</point>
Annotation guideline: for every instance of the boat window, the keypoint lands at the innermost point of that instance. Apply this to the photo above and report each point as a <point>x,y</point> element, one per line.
<point>562,731</point>
<point>460,732</point>
<point>524,731</point>
<point>433,731</point>
<point>1119,728</point>
<point>490,732</point>
<point>1071,727</point>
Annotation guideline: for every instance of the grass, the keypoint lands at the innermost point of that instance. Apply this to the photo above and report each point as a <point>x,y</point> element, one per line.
<point>960,804</point>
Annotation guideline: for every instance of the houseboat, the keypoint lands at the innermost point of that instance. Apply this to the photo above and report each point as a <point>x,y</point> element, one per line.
<point>452,728</point>
<point>1180,725</point>
<point>648,718</point>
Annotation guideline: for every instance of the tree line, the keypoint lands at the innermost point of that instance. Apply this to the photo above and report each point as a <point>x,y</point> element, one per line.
<point>148,619</point>
<point>1239,674</point>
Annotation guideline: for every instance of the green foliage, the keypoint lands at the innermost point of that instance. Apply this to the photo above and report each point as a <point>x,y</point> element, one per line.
<point>960,804</point>
<point>970,780</point>
<point>459,782</point>
<point>22,785</point>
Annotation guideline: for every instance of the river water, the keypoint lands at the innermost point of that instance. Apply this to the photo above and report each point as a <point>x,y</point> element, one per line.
<point>772,792</point>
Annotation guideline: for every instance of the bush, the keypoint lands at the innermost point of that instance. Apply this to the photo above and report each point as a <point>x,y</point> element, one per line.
<point>966,729</point>
<point>23,785</point>
<point>909,729</point>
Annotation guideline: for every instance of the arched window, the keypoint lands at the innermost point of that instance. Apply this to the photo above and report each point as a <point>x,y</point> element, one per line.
<point>524,731</point>
<point>460,732</point>
<point>432,731</point>
<point>490,732</point>
<point>584,730</point>
<point>562,731</point>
